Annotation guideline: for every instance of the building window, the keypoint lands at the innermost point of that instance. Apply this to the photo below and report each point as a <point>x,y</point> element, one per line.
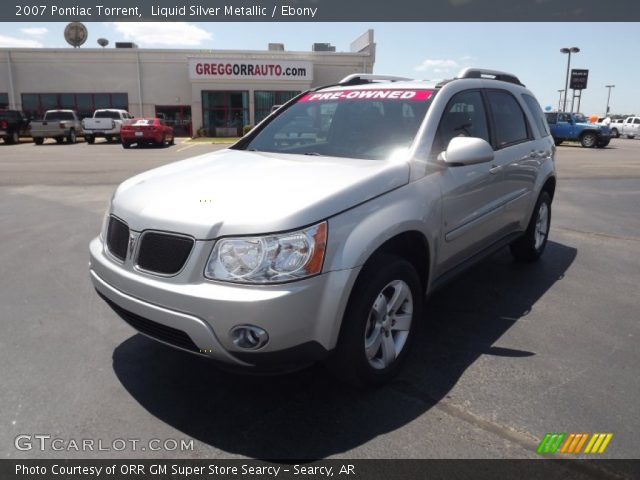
<point>265,100</point>
<point>225,113</point>
<point>4,100</point>
<point>35,104</point>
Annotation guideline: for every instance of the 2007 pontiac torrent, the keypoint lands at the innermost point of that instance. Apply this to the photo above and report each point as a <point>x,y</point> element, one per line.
<point>319,235</point>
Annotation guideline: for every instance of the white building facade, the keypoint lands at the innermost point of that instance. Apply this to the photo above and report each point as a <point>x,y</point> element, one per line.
<point>206,92</point>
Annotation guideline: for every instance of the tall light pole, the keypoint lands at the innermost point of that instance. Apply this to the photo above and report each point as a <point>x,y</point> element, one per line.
<point>606,112</point>
<point>568,50</point>
<point>560,99</point>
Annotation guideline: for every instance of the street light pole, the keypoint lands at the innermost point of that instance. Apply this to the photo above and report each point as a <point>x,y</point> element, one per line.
<point>560,100</point>
<point>606,112</point>
<point>568,50</point>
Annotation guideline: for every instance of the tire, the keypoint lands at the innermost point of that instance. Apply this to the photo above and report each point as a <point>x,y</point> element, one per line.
<point>59,140</point>
<point>126,145</point>
<point>630,137</point>
<point>615,133</point>
<point>603,143</point>
<point>14,138</point>
<point>383,277</point>
<point>163,142</point>
<point>71,138</point>
<point>90,139</point>
<point>173,140</point>
<point>530,246</point>
<point>38,140</point>
<point>557,142</point>
<point>588,140</point>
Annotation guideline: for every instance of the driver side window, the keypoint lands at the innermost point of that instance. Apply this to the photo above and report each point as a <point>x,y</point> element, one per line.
<point>464,116</point>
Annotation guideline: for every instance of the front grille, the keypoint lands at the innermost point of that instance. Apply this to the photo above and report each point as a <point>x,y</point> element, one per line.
<point>156,330</point>
<point>117,238</point>
<point>163,253</point>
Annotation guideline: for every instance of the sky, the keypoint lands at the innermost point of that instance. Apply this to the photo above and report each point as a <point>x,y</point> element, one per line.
<point>531,51</point>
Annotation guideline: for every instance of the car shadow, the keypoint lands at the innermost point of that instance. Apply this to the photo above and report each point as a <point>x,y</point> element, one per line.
<point>307,414</point>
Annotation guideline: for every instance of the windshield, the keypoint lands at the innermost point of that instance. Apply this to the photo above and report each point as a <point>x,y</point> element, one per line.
<point>58,116</point>
<point>367,124</point>
<point>108,114</point>
<point>580,118</point>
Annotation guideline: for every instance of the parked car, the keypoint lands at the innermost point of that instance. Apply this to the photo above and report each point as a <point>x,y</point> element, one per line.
<point>629,127</point>
<point>146,131</point>
<point>274,254</point>
<point>573,127</point>
<point>105,123</point>
<point>616,126</point>
<point>57,124</point>
<point>13,125</point>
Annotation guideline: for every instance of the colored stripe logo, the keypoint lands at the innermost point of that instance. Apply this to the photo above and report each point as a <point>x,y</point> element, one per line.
<point>573,443</point>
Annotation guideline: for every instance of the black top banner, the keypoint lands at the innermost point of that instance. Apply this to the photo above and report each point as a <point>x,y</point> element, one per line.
<point>319,10</point>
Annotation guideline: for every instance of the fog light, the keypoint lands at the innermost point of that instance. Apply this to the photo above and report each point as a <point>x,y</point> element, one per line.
<point>249,337</point>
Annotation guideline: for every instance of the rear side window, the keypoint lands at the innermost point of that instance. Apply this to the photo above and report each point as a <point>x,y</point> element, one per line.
<point>636,121</point>
<point>464,116</point>
<point>538,115</point>
<point>509,120</point>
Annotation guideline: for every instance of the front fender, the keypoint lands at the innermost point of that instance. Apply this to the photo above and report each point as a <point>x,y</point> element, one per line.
<point>356,234</point>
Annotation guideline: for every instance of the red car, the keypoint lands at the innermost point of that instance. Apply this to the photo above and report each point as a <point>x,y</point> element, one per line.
<point>150,131</point>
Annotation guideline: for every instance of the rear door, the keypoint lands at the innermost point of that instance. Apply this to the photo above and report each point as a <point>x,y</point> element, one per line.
<point>518,153</point>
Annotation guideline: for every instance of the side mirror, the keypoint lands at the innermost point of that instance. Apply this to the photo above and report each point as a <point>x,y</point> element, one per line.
<point>466,151</point>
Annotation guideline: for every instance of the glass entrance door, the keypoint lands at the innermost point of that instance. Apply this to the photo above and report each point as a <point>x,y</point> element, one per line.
<point>176,116</point>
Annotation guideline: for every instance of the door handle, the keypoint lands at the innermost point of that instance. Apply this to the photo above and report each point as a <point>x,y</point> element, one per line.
<point>495,169</point>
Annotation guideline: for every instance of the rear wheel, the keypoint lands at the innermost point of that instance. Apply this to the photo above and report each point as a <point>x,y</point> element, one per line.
<point>38,140</point>
<point>615,133</point>
<point>631,136</point>
<point>125,144</point>
<point>15,137</point>
<point>173,140</point>
<point>59,140</point>
<point>530,246</point>
<point>379,322</point>
<point>588,140</point>
<point>162,142</point>
<point>603,143</point>
<point>557,142</point>
<point>90,139</point>
<point>71,138</point>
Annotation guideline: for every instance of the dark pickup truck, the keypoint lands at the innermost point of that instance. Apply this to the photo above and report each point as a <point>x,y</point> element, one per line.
<point>13,125</point>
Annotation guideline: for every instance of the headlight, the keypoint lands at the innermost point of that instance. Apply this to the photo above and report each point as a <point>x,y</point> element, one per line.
<point>270,258</point>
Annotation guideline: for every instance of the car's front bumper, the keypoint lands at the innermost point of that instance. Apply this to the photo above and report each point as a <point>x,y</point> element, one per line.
<point>302,318</point>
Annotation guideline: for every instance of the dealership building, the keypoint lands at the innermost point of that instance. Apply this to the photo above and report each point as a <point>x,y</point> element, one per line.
<point>211,92</point>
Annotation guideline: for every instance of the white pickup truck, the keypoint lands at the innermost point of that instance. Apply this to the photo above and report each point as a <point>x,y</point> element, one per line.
<point>630,127</point>
<point>105,123</point>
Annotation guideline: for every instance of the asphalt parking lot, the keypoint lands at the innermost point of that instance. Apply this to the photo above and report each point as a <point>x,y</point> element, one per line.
<point>507,352</point>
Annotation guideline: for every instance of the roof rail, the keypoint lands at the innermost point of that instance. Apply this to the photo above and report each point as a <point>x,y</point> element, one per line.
<point>489,74</point>
<point>356,78</point>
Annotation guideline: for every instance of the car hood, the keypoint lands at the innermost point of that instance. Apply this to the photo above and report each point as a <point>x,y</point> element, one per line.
<point>236,192</point>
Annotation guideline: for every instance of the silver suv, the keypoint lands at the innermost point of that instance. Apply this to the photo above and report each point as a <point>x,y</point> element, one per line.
<point>320,233</point>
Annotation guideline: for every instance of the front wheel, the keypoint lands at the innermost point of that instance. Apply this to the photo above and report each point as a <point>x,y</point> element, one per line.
<point>530,246</point>
<point>15,138</point>
<point>378,325</point>
<point>557,142</point>
<point>631,136</point>
<point>588,140</point>
<point>90,139</point>
<point>615,133</point>
<point>603,143</point>
<point>38,140</point>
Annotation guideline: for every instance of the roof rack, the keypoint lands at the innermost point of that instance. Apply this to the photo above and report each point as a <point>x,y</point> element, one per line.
<point>357,78</point>
<point>489,74</point>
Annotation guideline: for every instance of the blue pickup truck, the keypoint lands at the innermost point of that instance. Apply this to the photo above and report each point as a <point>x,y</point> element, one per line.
<point>574,127</point>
